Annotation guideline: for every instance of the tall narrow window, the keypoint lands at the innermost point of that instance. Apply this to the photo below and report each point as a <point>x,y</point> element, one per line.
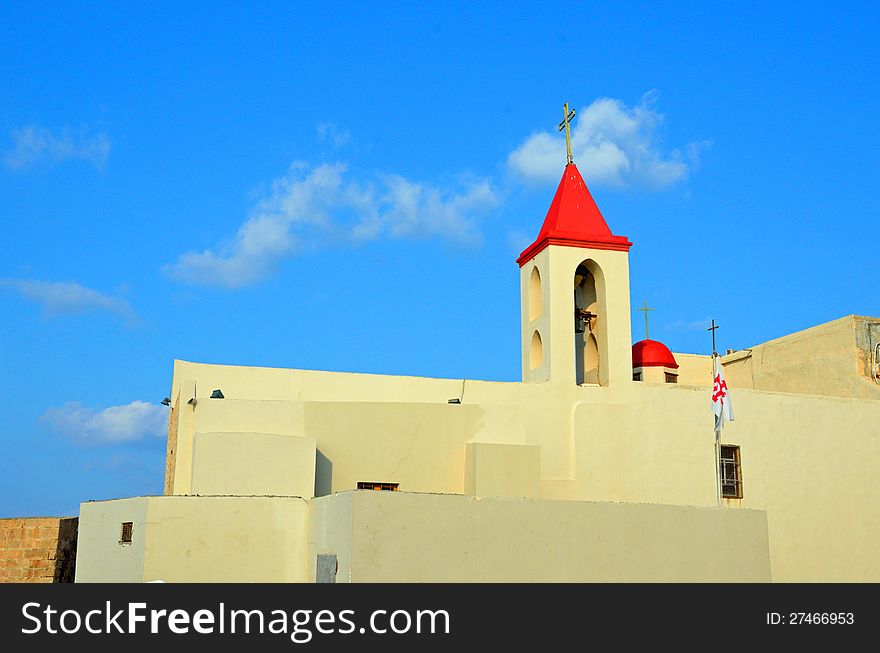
<point>535,299</point>
<point>731,473</point>
<point>536,352</point>
<point>125,535</point>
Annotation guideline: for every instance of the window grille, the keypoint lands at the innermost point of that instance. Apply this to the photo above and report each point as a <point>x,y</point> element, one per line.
<point>390,487</point>
<point>731,473</point>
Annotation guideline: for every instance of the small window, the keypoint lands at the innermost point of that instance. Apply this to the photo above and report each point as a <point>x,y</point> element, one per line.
<point>637,376</point>
<point>671,378</point>
<point>125,536</point>
<point>389,487</point>
<point>731,473</point>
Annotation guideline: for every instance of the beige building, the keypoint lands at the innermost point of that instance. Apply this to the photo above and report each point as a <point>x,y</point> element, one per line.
<point>599,466</point>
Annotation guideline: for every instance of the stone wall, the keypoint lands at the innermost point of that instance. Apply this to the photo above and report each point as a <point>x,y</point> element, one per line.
<point>38,549</point>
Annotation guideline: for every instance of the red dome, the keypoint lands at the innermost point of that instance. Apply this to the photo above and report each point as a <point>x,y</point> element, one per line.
<point>650,353</point>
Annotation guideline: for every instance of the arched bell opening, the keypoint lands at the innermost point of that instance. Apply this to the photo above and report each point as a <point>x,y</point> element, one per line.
<point>536,305</point>
<point>589,327</point>
<point>536,352</point>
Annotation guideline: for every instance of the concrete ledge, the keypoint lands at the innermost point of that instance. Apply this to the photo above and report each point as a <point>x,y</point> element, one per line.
<point>406,537</point>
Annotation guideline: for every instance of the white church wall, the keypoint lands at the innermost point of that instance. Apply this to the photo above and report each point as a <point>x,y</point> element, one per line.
<point>195,539</point>
<point>258,464</point>
<point>330,527</point>
<point>502,470</point>
<point>402,537</point>
<point>101,557</point>
<point>418,446</point>
<point>806,459</point>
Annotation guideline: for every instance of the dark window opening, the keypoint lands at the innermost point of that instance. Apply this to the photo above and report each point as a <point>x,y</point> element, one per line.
<point>125,536</point>
<point>390,487</point>
<point>637,376</point>
<point>731,473</point>
<point>671,378</point>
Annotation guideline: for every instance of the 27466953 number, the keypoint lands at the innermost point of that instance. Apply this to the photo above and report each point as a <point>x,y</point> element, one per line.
<point>822,618</point>
<point>814,618</point>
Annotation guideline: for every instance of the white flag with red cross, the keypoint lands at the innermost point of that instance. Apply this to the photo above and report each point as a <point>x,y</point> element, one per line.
<point>721,406</point>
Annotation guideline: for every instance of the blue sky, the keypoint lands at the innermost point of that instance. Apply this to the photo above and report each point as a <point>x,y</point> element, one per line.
<point>347,187</point>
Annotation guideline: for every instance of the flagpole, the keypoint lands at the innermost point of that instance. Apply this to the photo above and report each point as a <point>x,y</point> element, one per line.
<point>719,423</point>
<point>718,428</point>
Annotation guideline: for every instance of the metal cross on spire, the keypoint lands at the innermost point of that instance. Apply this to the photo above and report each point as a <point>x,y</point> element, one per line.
<point>566,125</point>
<point>645,310</point>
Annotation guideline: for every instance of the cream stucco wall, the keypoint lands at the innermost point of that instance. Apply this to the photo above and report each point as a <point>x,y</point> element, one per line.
<point>398,537</point>
<point>408,537</point>
<point>194,539</point>
<point>812,476</point>
<point>807,459</point>
<point>502,470</point>
<point>694,369</point>
<point>828,359</point>
<point>330,530</point>
<point>253,464</point>
<point>100,557</point>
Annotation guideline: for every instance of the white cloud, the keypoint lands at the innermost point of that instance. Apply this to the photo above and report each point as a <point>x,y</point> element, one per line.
<point>681,325</point>
<point>409,209</point>
<point>312,206</point>
<point>36,145</point>
<point>613,145</point>
<point>67,298</point>
<point>115,424</point>
<point>331,133</point>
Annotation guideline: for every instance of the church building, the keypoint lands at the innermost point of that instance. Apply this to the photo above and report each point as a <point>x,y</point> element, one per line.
<point>600,465</point>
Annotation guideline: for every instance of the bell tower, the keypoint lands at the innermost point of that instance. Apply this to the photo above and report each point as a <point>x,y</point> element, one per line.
<point>574,286</point>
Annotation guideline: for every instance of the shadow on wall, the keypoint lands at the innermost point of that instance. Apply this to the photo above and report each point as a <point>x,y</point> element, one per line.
<point>65,551</point>
<point>323,474</point>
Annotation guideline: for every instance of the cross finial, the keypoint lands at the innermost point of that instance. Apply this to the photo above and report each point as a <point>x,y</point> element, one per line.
<point>712,329</point>
<point>645,310</point>
<point>566,125</point>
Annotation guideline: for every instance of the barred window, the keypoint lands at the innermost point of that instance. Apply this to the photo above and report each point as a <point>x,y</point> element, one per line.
<point>125,535</point>
<point>731,473</point>
<point>671,378</point>
<point>391,487</point>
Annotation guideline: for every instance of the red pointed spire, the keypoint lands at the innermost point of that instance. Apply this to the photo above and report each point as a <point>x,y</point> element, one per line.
<point>574,220</point>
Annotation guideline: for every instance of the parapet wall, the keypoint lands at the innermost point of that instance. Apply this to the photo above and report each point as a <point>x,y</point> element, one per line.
<point>38,549</point>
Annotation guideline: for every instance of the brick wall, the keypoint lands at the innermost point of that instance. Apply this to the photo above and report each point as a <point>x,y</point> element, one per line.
<point>38,549</point>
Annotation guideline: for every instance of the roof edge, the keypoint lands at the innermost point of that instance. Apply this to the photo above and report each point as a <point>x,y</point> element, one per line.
<point>615,243</point>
